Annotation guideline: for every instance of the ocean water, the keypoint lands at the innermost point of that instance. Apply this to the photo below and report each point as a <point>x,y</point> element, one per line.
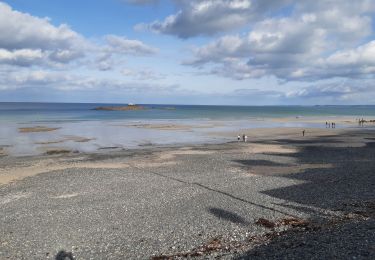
<point>111,130</point>
<point>59,112</point>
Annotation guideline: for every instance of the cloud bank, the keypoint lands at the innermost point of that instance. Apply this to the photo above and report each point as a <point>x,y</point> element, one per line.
<point>314,50</point>
<point>317,41</point>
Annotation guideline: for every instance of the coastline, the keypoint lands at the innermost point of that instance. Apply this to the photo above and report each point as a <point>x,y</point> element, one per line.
<point>57,158</point>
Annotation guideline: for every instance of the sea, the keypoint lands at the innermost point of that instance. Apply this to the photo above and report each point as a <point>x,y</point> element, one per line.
<point>81,128</point>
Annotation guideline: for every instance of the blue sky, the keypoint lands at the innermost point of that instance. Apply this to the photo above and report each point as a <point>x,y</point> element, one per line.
<point>245,52</point>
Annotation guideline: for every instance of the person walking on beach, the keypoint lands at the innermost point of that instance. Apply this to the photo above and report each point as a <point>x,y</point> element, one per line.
<point>245,138</point>
<point>238,138</point>
<point>303,132</point>
<point>326,124</point>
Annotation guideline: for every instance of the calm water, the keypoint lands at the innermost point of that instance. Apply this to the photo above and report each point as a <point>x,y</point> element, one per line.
<point>117,129</point>
<point>60,112</point>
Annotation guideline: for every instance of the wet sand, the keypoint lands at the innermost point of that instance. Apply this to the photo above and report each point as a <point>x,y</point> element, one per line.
<point>274,133</point>
<point>2,152</point>
<point>160,158</point>
<point>97,136</point>
<point>164,157</point>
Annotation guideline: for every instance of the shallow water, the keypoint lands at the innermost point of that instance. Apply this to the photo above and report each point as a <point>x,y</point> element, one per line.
<point>125,130</point>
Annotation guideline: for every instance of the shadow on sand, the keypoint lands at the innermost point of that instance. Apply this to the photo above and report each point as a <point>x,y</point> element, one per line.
<point>228,215</point>
<point>63,255</point>
<point>350,180</point>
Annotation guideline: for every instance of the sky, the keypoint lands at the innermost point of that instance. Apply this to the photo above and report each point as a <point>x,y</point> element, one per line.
<point>227,52</point>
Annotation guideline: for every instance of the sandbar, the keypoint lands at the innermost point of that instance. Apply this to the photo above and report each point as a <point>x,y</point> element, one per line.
<point>35,129</point>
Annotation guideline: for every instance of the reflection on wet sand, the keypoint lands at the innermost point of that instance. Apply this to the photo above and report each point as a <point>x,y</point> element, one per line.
<point>77,139</point>
<point>94,136</point>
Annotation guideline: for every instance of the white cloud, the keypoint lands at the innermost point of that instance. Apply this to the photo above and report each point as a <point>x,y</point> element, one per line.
<point>353,90</point>
<point>23,33</point>
<point>209,17</point>
<point>62,80</point>
<point>39,78</point>
<point>21,57</point>
<point>142,74</point>
<point>306,41</point>
<point>111,54</point>
<point>122,45</point>
<point>310,44</point>
<point>26,40</point>
<point>362,56</point>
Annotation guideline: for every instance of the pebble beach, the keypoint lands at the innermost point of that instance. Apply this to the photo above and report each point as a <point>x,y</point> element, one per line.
<point>279,195</point>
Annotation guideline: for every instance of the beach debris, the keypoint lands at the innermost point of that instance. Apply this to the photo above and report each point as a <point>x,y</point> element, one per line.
<point>213,245</point>
<point>34,129</point>
<point>109,147</point>
<point>265,223</point>
<point>294,222</point>
<point>217,246</point>
<point>57,151</point>
<point>359,209</point>
<point>50,142</point>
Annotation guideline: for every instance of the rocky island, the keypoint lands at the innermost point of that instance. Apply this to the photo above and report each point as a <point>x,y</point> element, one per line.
<point>121,108</point>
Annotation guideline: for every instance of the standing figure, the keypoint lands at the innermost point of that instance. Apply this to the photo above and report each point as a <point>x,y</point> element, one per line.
<point>245,138</point>
<point>238,138</point>
<point>303,132</point>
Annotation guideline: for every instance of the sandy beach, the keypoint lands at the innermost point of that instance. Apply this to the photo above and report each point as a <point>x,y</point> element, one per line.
<point>279,192</point>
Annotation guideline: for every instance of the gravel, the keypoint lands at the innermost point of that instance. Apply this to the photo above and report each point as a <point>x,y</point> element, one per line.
<point>207,203</point>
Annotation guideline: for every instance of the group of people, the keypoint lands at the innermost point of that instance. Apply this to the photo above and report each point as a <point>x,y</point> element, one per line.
<point>361,122</point>
<point>330,125</point>
<point>244,138</point>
